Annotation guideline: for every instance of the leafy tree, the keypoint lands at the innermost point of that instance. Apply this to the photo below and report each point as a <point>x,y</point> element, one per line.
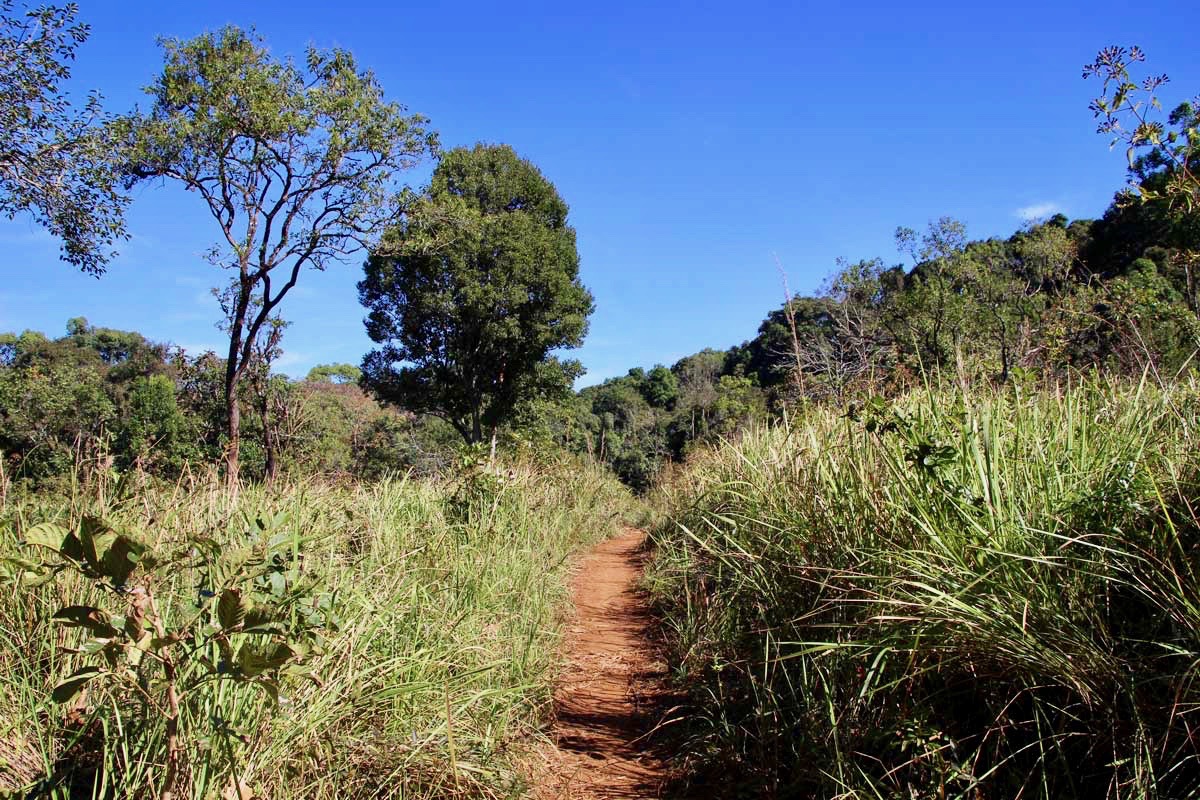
<point>929,314</point>
<point>295,164</point>
<point>1126,111</point>
<point>770,357</point>
<point>630,436</point>
<point>334,373</point>
<point>738,402</point>
<point>54,160</point>
<point>1048,255</point>
<point>661,387</point>
<point>1130,323</point>
<point>998,306</point>
<point>55,409</point>
<point>200,392</point>
<point>155,432</point>
<point>697,375</point>
<point>1164,171</point>
<point>473,292</point>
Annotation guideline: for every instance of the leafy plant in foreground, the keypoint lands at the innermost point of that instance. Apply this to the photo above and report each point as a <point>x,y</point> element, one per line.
<point>255,620</point>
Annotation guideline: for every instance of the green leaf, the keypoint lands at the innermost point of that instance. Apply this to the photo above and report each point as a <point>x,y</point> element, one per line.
<point>96,537</point>
<point>73,684</point>
<point>260,620</point>
<point>121,559</point>
<point>93,646</point>
<point>72,548</point>
<point>140,647</point>
<point>271,688</point>
<point>48,535</point>
<point>93,619</point>
<point>279,542</point>
<point>231,609</point>
<point>16,571</point>
<point>253,661</point>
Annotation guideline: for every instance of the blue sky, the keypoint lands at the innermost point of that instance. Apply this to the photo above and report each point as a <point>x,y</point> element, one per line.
<point>695,142</point>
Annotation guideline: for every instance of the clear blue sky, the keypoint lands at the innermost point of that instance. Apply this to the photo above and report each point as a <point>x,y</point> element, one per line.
<point>692,141</point>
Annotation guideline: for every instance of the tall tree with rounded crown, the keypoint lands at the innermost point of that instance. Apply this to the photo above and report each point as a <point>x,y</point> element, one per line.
<point>469,297</point>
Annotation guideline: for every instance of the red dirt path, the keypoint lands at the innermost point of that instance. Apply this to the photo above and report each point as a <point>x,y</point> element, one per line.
<point>612,692</point>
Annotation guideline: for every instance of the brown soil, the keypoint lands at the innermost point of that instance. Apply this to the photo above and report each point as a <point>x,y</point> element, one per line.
<point>612,695</point>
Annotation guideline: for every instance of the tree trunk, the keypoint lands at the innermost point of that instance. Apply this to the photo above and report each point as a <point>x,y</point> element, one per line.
<point>268,442</point>
<point>233,421</point>
<point>1188,260</point>
<point>233,372</point>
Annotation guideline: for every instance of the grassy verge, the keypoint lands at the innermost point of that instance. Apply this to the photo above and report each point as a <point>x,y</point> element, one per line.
<point>439,608</point>
<point>984,596</point>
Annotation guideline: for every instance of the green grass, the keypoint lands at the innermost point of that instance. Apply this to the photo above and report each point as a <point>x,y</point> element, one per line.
<point>449,595</point>
<point>975,597</point>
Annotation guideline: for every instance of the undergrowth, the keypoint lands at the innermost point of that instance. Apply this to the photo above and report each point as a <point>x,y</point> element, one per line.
<point>947,596</point>
<point>411,626</point>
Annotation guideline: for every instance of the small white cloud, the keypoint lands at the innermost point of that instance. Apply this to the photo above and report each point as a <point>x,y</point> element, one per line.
<point>1038,211</point>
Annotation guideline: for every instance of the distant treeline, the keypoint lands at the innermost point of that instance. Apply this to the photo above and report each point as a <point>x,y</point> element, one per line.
<point>1116,294</point>
<point>111,399</point>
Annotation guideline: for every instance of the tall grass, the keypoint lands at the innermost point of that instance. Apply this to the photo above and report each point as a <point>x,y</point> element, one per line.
<point>973,596</point>
<point>448,595</point>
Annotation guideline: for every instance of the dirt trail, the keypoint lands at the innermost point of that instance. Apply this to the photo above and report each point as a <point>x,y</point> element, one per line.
<point>612,693</point>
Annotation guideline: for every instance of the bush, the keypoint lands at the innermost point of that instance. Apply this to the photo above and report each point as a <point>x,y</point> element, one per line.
<point>983,596</point>
<point>324,641</point>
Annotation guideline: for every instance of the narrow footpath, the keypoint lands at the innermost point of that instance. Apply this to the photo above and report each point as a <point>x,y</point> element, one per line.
<point>612,693</point>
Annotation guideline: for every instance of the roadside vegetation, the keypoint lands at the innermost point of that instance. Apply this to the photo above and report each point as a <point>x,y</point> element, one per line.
<point>963,564</point>
<point>990,594</point>
<point>395,639</point>
<point>930,533</point>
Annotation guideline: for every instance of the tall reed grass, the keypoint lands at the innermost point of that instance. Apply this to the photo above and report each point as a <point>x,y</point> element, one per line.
<point>981,595</point>
<point>447,596</point>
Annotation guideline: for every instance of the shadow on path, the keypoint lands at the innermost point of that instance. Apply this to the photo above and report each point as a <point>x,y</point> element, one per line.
<point>612,703</point>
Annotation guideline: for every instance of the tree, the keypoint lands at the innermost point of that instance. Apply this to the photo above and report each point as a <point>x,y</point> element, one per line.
<point>1000,304</point>
<point>841,338</point>
<point>54,410</point>
<point>294,164</point>
<point>54,161</point>
<point>631,434</point>
<point>697,376</point>
<point>660,387</point>
<point>1126,111</point>
<point>471,294</point>
<point>154,432</point>
<point>334,373</point>
<point>1164,163</point>
<point>929,314</point>
<point>265,389</point>
<point>771,356</point>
